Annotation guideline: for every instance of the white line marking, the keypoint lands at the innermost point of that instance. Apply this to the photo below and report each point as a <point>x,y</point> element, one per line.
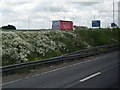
<point>55,70</point>
<point>12,81</point>
<point>89,77</point>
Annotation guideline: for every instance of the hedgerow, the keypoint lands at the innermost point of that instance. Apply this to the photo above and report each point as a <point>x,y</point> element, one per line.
<point>20,46</point>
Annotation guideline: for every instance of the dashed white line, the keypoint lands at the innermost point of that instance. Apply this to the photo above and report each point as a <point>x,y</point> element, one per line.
<point>89,77</point>
<point>12,81</point>
<point>55,70</point>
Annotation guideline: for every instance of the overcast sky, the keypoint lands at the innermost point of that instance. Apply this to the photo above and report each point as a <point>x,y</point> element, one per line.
<point>37,14</point>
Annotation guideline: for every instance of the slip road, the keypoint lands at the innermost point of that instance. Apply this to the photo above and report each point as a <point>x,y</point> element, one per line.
<point>100,72</point>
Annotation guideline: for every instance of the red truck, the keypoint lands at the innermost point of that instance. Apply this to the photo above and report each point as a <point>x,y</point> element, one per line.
<point>62,25</point>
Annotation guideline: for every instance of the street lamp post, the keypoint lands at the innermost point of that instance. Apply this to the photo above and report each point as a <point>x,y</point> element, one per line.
<point>113,13</point>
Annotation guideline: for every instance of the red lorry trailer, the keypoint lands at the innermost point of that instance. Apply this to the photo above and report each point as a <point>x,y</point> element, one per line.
<point>62,25</point>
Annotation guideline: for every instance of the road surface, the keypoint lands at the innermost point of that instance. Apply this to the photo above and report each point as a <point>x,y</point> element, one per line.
<point>100,72</point>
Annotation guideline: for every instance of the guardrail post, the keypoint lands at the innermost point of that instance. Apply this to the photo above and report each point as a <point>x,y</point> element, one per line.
<point>108,49</point>
<point>104,51</point>
<point>49,64</point>
<point>73,59</point>
<point>6,73</point>
<point>33,68</point>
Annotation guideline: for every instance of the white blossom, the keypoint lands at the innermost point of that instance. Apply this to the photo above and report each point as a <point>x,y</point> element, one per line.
<point>20,45</point>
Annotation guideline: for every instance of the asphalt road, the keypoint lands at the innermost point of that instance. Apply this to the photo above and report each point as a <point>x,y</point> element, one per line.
<point>100,72</point>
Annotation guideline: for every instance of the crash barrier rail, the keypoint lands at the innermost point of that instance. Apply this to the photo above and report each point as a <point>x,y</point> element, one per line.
<point>76,55</point>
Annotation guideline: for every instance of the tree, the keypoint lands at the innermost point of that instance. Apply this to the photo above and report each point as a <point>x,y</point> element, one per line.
<point>11,27</point>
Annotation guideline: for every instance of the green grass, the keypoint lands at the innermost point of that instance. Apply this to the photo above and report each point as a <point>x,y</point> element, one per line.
<point>99,36</point>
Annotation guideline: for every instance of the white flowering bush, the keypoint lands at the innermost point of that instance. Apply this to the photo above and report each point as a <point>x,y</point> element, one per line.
<point>25,46</point>
<point>18,47</point>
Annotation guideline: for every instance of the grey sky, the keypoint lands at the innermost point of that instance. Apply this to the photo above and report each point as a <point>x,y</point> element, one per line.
<point>37,14</point>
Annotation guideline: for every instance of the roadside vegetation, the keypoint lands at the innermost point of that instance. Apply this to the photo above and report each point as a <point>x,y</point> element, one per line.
<point>25,46</point>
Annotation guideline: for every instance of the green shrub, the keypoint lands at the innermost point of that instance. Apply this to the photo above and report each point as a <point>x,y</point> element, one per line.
<point>20,46</point>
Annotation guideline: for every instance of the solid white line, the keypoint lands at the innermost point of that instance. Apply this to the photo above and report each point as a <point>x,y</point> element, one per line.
<point>56,69</point>
<point>89,77</point>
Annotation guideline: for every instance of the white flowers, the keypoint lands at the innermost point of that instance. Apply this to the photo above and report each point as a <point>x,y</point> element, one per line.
<point>87,45</point>
<point>18,46</point>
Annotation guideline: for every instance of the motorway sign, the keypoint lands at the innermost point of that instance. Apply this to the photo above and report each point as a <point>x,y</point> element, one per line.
<point>96,23</point>
<point>113,25</point>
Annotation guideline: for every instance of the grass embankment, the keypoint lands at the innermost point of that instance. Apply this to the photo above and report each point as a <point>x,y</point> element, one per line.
<point>28,46</point>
